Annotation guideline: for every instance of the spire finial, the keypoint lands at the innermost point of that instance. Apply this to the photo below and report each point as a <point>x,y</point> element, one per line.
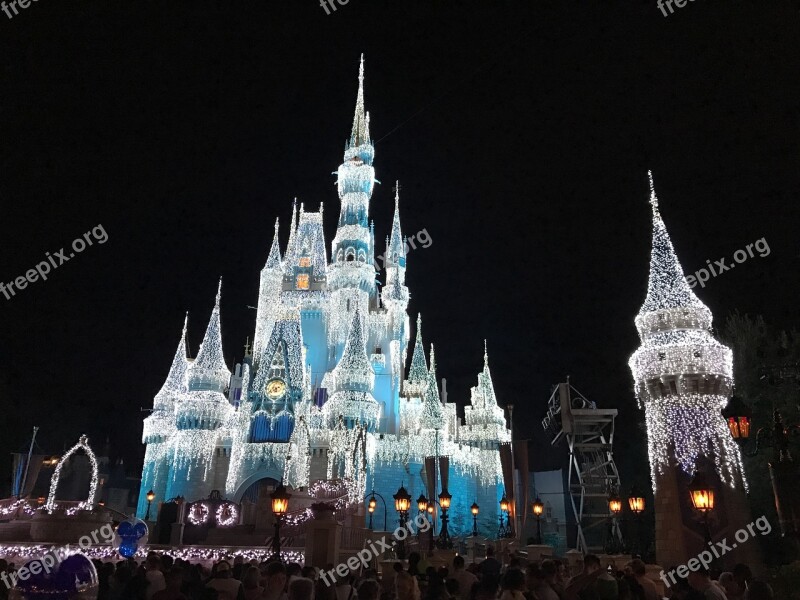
<point>360,133</point>
<point>185,324</point>
<point>485,353</point>
<point>653,197</point>
<point>276,225</point>
<point>219,292</point>
<point>396,194</point>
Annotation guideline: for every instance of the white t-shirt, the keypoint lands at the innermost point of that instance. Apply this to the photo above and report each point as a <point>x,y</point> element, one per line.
<point>155,582</point>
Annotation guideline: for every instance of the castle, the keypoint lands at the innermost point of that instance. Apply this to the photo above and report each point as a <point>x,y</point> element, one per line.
<point>325,393</point>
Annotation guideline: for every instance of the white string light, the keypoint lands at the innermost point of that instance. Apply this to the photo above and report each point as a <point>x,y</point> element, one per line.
<point>88,504</point>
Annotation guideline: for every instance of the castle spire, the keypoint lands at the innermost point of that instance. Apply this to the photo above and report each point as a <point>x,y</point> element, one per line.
<point>176,379</point>
<point>667,287</point>
<point>432,413</point>
<point>292,230</point>
<point>274,258</point>
<point>354,371</point>
<point>418,371</point>
<point>396,250</point>
<point>360,133</point>
<point>209,367</point>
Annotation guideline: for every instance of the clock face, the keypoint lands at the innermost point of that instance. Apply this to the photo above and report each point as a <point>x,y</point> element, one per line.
<point>275,389</point>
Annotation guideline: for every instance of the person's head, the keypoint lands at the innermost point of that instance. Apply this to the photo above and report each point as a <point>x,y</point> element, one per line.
<point>591,563</point>
<point>276,576</point>
<point>251,578</point>
<point>699,579</point>
<point>414,558</point>
<point>293,569</point>
<point>153,561</point>
<point>369,590</point>
<point>489,551</point>
<point>549,570</point>
<point>458,562</point>
<point>728,583</point>
<point>223,570</point>
<point>167,562</point>
<point>513,580</point>
<point>398,567</point>
<point>301,589</point>
<point>309,572</point>
<point>638,568</point>
<point>174,578</point>
<point>759,590</point>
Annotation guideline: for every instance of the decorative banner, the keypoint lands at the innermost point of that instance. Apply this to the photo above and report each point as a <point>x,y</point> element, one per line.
<point>444,470</point>
<point>508,476</point>
<point>430,476</point>
<point>521,463</point>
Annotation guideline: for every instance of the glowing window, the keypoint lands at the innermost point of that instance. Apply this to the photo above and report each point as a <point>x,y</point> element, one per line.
<point>305,261</point>
<point>302,281</point>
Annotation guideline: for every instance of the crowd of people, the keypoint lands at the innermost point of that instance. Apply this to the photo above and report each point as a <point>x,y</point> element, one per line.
<point>160,577</point>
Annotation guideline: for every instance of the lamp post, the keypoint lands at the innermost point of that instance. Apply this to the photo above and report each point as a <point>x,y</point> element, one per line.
<point>739,418</point>
<point>372,504</point>
<point>150,497</point>
<point>444,536</point>
<point>538,509</point>
<point>502,531</point>
<point>702,495</point>
<point>280,505</point>
<point>402,502</point>
<point>637,504</point>
<point>475,509</point>
<point>614,507</point>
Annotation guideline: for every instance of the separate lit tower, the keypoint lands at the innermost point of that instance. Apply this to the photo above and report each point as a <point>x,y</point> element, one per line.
<point>200,416</point>
<point>683,378</point>
<point>159,430</point>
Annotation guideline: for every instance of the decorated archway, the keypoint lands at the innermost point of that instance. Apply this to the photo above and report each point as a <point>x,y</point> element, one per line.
<point>83,444</point>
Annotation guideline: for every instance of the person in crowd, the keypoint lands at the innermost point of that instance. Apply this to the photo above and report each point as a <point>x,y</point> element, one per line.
<point>639,572</point>
<point>153,575</point>
<point>413,564</point>
<point>464,578</point>
<point>591,571</point>
<point>369,589</point>
<point>729,585</point>
<point>700,580</point>
<point>310,572</point>
<point>759,590</point>
<point>513,585</point>
<point>406,586</point>
<point>275,581</point>
<point>490,567</point>
<point>174,582</point>
<point>345,589</point>
<point>742,575</point>
<point>227,587</point>
<point>251,587</point>
<point>301,588</point>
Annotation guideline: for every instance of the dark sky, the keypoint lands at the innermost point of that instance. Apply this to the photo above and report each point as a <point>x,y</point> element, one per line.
<point>521,134</point>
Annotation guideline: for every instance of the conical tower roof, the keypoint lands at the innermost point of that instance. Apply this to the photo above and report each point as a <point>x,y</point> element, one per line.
<point>396,248</point>
<point>354,371</point>
<point>209,368</point>
<point>432,412</point>
<point>274,258</point>
<point>175,382</point>
<point>418,371</point>
<point>360,133</point>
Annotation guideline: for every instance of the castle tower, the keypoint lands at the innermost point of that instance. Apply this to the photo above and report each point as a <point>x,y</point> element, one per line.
<point>484,421</point>
<point>351,276</point>
<point>200,415</point>
<point>159,431</point>
<point>269,291</point>
<point>683,378</point>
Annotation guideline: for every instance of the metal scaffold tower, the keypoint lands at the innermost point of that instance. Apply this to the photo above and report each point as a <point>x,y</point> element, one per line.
<point>593,475</point>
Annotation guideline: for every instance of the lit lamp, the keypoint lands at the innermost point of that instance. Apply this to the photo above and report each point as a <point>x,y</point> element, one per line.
<point>738,415</point>
<point>637,504</point>
<point>444,535</point>
<point>150,497</point>
<point>504,530</point>
<point>538,510</point>
<point>422,503</point>
<point>614,507</point>
<point>280,505</point>
<point>402,502</point>
<point>702,495</point>
<point>371,508</point>
<point>475,509</point>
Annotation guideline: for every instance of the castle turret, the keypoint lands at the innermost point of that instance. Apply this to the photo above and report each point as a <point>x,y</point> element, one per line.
<point>484,420</point>
<point>159,429</point>
<point>683,378</point>
<point>269,291</point>
<point>417,380</point>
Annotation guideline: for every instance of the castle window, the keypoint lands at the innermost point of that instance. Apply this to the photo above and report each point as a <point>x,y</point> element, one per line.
<point>302,281</point>
<point>305,261</point>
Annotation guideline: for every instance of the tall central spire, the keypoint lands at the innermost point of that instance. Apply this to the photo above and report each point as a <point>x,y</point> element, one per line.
<point>360,134</point>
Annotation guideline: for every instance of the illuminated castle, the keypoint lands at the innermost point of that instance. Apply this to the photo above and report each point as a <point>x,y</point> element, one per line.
<point>325,394</point>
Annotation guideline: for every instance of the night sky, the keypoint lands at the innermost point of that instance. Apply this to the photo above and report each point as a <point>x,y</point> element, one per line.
<point>521,135</point>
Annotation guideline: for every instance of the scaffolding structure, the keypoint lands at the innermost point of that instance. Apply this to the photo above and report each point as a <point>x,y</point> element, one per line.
<point>593,475</point>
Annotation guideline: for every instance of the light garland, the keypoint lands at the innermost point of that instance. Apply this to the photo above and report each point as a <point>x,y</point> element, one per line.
<point>683,375</point>
<point>227,514</point>
<point>199,513</point>
<point>88,504</point>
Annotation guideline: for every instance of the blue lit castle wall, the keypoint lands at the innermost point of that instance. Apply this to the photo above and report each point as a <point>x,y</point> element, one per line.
<point>327,375</point>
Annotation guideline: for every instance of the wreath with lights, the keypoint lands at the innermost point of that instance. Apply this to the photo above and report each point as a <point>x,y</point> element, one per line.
<point>227,514</point>
<point>199,513</point>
